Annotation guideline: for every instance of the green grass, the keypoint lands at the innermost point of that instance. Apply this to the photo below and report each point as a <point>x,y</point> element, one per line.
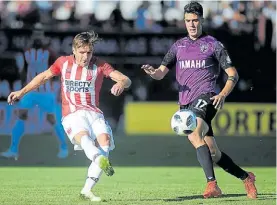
<point>129,186</point>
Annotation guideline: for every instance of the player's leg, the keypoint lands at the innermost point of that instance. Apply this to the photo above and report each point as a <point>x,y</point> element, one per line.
<point>49,105</point>
<point>79,130</point>
<point>223,160</point>
<point>104,141</point>
<point>96,152</point>
<point>27,102</point>
<point>101,163</point>
<point>204,158</point>
<point>103,138</point>
<point>93,176</point>
<point>205,112</point>
<point>227,164</point>
<point>94,171</point>
<point>100,134</point>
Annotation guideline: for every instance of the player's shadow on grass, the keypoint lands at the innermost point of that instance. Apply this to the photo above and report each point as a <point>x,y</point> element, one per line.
<point>225,197</point>
<point>266,196</point>
<point>260,197</point>
<point>184,198</point>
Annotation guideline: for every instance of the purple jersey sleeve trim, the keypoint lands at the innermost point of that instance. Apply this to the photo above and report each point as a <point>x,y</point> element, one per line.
<point>222,56</point>
<point>170,58</point>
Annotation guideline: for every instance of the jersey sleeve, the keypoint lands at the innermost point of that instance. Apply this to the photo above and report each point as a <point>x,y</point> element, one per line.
<point>56,67</point>
<point>170,58</point>
<point>105,67</point>
<point>222,56</point>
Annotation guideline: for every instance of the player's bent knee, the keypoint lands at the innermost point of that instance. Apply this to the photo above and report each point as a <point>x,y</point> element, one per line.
<point>214,150</point>
<point>77,138</point>
<point>213,153</point>
<point>216,155</point>
<point>103,139</point>
<point>195,139</point>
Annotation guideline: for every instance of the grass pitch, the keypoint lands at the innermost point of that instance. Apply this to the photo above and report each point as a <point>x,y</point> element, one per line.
<point>129,186</point>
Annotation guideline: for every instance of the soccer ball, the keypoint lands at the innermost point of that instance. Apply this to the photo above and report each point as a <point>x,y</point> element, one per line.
<point>183,122</point>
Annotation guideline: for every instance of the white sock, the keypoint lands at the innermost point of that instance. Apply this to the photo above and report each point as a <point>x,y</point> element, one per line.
<point>94,173</point>
<point>89,148</point>
<point>105,150</point>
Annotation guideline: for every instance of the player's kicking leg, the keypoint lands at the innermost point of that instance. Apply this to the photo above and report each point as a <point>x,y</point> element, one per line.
<point>91,135</point>
<point>99,163</point>
<point>226,163</point>
<point>204,158</point>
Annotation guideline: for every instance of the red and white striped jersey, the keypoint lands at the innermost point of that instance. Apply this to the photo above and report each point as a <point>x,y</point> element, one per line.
<point>80,86</point>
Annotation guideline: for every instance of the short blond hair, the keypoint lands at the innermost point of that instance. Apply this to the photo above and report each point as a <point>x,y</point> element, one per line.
<point>85,39</point>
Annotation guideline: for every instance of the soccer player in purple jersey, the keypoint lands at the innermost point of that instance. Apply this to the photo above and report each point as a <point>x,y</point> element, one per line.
<point>198,58</point>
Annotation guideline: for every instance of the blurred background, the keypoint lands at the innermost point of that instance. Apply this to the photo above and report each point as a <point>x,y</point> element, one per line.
<point>136,33</point>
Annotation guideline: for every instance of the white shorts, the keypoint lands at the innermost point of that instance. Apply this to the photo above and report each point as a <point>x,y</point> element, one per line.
<point>84,120</point>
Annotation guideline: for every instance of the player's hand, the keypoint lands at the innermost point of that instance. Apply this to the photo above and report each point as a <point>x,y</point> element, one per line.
<point>117,89</point>
<point>14,96</point>
<point>218,101</point>
<point>148,69</point>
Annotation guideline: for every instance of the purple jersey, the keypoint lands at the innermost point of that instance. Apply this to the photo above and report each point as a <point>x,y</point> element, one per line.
<point>197,65</point>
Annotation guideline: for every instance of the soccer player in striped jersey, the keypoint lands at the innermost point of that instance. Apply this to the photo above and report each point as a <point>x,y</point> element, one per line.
<point>81,76</point>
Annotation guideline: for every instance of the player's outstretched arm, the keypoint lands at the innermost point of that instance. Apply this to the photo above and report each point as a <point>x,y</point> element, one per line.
<point>35,83</point>
<point>168,61</point>
<point>157,74</point>
<point>122,82</point>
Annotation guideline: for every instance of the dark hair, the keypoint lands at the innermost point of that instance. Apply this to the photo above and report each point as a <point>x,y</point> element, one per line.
<point>195,8</point>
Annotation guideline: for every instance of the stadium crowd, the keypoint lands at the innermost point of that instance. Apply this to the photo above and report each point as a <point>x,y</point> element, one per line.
<point>250,28</point>
<point>154,16</point>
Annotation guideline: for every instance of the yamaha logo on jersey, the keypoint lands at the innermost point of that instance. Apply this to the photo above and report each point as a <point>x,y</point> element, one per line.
<point>192,64</point>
